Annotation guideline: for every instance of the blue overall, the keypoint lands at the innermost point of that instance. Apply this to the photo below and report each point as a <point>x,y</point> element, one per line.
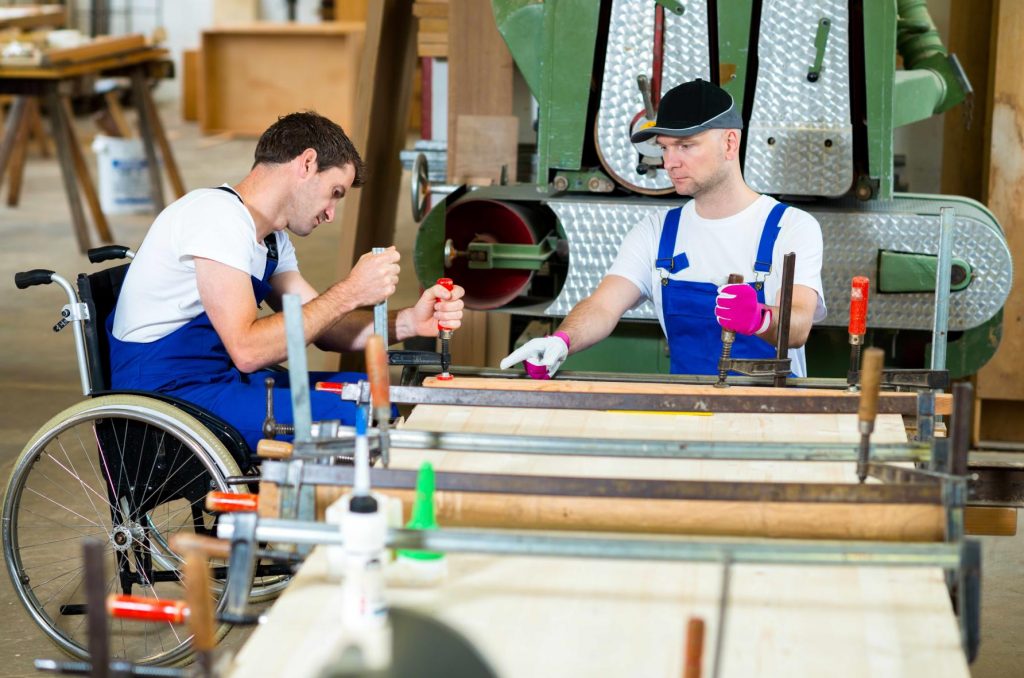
<point>192,363</point>
<point>688,308</point>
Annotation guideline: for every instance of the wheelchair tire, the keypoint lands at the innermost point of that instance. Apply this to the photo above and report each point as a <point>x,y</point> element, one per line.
<point>74,481</point>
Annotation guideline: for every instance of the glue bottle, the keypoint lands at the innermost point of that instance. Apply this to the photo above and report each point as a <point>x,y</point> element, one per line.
<point>364,614</point>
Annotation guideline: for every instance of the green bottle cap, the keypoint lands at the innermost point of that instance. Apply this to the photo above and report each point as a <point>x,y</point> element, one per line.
<point>423,512</point>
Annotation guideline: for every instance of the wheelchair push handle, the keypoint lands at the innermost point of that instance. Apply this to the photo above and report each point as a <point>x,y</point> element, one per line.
<point>37,276</point>
<point>108,252</point>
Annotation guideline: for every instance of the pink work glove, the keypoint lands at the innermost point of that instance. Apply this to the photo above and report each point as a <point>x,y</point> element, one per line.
<point>737,309</point>
<point>542,357</point>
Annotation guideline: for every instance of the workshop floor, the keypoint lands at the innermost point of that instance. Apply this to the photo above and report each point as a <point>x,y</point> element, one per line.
<point>38,373</point>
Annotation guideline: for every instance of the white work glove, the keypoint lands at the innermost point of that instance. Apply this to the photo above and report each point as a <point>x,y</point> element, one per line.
<point>540,357</point>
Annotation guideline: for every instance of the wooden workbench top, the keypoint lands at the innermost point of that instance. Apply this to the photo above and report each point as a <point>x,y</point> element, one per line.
<point>579,617</point>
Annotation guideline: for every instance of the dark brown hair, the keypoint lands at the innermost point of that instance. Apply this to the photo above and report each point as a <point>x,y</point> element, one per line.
<point>292,134</point>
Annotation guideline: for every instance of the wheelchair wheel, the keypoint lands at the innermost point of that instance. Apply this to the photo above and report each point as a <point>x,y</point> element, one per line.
<point>126,470</point>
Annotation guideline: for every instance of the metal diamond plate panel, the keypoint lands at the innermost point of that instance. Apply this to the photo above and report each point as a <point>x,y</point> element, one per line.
<point>799,139</point>
<point>629,54</point>
<point>594,231</point>
<point>852,240</point>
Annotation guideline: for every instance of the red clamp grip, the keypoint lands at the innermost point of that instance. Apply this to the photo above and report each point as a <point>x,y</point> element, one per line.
<point>138,608</point>
<point>859,305</point>
<point>449,285</point>
<point>230,502</point>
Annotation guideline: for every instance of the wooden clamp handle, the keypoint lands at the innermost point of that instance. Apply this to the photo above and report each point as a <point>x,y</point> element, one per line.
<point>211,547</point>
<point>870,382</point>
<point>377,371</point>
<point>137,608</point>
<point>694,648</point>
<point>197,594</point>
<point>273,449</point>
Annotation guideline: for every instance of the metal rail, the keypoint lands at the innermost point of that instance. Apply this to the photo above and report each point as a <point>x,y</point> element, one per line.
<point>722,401</point>
<point>410,439</point>
<point>521,543</point>
<point>914,489</point>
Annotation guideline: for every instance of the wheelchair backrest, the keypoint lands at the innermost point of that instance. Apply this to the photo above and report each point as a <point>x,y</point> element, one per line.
<point>99,291</point>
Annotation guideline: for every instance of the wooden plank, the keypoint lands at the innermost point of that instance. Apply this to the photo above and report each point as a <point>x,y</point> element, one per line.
<point>20,153</point>
<point>480,70</point>
<point>965,150</point>
<point>433,10</point>
<point>101,46</point>
<point>434,26</point>
<point>551,616</point>
<point>486,142</point>
<point>999,378</point>
<point>778,520</point>
<point>41,16</point>
<point>379,128</point>
<point>252,75</point>
<point>943,401</point>
<point>436,50</point>
<point>99,219</point>
<point>190,85</point>
<point>990,521</point>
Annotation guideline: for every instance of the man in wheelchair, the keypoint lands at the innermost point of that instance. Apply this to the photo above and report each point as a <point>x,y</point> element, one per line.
<point>186,321</point>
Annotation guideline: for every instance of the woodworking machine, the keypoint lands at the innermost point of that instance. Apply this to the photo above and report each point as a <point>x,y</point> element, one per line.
<point>821,93</point>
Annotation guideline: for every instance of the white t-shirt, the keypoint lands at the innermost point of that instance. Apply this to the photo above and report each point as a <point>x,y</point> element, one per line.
<point>717,247</point>
<point>160,293</point>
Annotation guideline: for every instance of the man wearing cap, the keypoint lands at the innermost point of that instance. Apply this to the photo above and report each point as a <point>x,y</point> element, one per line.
<point>680,258</point>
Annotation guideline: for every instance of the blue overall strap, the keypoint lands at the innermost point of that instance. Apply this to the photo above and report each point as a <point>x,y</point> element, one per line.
<point>667,244</point>
<point>270,242</point>
<point>769,234</point>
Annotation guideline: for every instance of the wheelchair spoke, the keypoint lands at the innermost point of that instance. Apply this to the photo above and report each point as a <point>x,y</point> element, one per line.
<point>76,476</point>
<point>59,505</point>
<point>89,489</point>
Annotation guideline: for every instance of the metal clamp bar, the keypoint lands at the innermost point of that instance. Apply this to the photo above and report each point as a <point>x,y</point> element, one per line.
<point>380,311</point>
<point>785,313</point>
<point>298,373</point>
<point>411,439</point>
<point>524,543</point>
<point>924,489</point>
<point>720,401</point>
<point>940,324</point>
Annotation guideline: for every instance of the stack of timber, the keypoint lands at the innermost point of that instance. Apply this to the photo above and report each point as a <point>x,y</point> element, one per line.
<point>432,39</point>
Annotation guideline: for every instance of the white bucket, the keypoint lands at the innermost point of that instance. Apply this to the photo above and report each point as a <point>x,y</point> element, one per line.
<point>123,175</point>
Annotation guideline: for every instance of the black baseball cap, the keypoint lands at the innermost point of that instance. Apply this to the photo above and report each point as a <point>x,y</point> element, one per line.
<point>691,108</point>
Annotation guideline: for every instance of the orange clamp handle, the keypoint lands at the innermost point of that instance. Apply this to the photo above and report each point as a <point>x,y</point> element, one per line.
<point>859,305</point>
<point>377,372</point>
<point>137,608</point>
<point>449,285</point>
<point>231,502</point>
<point>329,386</point>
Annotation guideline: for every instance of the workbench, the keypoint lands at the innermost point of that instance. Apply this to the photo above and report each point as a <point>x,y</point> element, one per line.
<point>580,617</point>
<point>53,84</point>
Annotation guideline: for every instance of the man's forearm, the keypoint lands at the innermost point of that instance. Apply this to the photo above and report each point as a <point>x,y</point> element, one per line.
<point>800,323</point>
<point>586,325</point>
<point>351,332</point>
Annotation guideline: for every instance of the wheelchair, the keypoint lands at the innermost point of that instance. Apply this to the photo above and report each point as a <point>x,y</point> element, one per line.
<point>129,469</point>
